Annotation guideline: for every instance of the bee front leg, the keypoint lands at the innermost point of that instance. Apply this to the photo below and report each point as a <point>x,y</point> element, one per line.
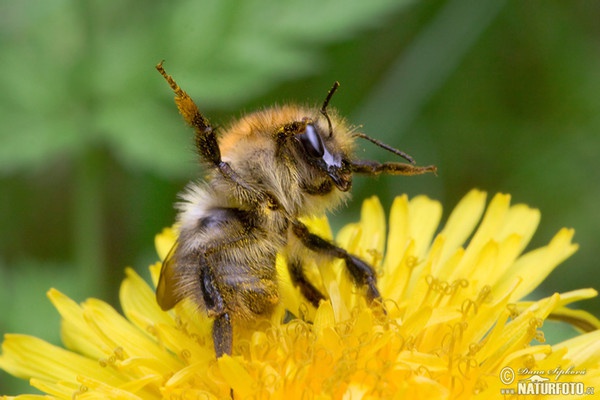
<point>390,168</point>
<point>361,272</point>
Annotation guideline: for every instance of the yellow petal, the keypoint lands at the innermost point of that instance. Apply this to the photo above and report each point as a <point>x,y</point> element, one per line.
<point>451,323</point>
<point>318,226</point>
<point>61,390</point>
<point>165,241</point>
<point>236,376</point>
<point>139,302</point>
<point>424,218</point>
<point>396,277</point>
<point>100,389</point>
<point>29,357</point>
<point>462,221</point>
<point>27,397</point>
<point>520,220</point>
<point>324,318</point>
<point>490,225</point>
<point>115,332</point>
<point>412,226</point>
<point>398,236</point>
<point>155,273</point>
<point>583,350</point>
<point>290,296</point>
<point>535,266</point>
<point>373,230</point>
<point>76,333</point>
<point>580,319</point>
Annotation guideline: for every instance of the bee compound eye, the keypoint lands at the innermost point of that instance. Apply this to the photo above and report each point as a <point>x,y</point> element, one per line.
<point>312,142</point>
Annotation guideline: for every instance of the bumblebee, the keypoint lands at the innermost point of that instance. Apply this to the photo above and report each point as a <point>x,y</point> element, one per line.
<point>264,172</point>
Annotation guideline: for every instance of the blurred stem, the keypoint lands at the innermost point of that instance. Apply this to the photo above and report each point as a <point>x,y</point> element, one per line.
<point>88,229</point>
<point>88,219</point>
<point>426,64</point>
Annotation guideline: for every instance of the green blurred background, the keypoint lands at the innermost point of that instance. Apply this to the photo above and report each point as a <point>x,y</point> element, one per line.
<point>500,95</point>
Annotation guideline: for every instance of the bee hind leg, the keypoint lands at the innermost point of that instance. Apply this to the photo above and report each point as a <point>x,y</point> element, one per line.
<point>222,335</point>
<point>222,330</point>
<point>207,145</point>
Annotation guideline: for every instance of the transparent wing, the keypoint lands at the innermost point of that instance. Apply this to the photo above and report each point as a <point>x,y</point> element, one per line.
<point>167,294</point>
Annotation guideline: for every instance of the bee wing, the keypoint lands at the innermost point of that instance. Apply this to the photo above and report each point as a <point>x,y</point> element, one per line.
<point>167,294</point>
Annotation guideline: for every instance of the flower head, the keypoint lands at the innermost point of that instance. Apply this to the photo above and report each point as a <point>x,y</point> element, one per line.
<point>453,320</point>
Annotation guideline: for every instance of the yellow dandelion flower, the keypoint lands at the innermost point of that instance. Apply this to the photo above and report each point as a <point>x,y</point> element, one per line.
<point>454,324</point>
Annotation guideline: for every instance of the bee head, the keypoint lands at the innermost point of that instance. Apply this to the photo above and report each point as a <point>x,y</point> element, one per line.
<point>321,149</point>
<point>327,150</point>
<point>318,154</point>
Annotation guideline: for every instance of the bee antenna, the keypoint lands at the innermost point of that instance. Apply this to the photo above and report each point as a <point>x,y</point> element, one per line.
<point>386,147</point>
<point>323,110</point>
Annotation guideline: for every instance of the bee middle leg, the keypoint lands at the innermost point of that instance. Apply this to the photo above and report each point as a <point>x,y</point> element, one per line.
<point>299,279</point>
<point>361,272</point>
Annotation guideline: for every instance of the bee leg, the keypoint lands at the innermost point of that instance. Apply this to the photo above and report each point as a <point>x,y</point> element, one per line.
<point>206,138</point>
<point>222,335</point>
<point>308,290</point>
<point>222,331</point>
<point>391,168</point>
<point>361,272</point>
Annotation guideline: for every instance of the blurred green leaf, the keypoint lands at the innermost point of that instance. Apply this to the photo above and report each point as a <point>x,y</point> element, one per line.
<point>25,307</point>
<point>81,74</point>
<point>27,310</point>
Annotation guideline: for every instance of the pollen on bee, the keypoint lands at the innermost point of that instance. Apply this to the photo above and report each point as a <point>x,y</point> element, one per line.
<point>186,106</point>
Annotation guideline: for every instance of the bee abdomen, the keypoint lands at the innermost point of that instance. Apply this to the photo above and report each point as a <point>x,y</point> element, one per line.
<point>226,261</point>
<point>247,296</point>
